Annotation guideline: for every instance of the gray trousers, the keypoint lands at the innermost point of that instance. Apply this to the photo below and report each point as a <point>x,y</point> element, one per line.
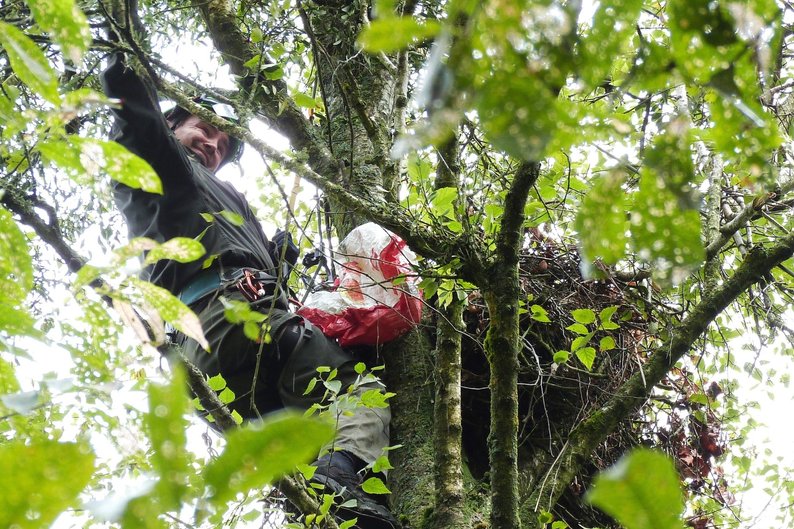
<point>269,377</point>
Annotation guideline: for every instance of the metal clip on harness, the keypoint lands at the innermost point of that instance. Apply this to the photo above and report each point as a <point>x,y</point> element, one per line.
<point>249,286</point>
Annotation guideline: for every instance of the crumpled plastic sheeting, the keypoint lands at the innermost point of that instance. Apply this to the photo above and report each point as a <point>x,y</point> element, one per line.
<point>366,307</point>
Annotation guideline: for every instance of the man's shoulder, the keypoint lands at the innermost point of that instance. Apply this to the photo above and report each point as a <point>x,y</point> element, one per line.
<point>222,189</point>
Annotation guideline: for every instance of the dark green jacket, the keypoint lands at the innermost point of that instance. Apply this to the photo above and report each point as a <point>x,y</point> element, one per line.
<point>190,190</point>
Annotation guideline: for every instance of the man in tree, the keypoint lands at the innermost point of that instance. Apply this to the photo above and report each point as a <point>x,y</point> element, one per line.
<point>274,369</point>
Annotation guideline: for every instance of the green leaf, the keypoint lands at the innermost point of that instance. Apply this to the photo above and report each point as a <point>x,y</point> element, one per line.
<point>395,33</point>
<point>607,343</point>
<point>40,479</point>
<point>519,113</point>
<point>29,63</point>
<point>16,266</point>
<point>310,386</point>
<point>381,464</point>
<point>8,379</point>
<point>166,424</point>
<point>307,471</point>
<point>442,202</point>
<point>171,309</point>
<point>641,491</point>
<point>253,62</point>
<point>180,249</point>
<point>662,233</point>
<point>454,226</point>
<point>240,312</point>
<point>375,486</point>
<point>7,105</point>
<point>360,367</point>
<point>740,116</point>
<point>703,38</point>
<point>578,328</point>
<point>606,313</point>
<point>586,355</point>
<point>375,398</point>
<point>234,218</point>
<point>699,398</point>
<point>226,396</point>
<point>580,342</point>
<point>585,316</point>
<point>258,454</point>
<point>429,287</point>
<point>66,23</point>
<point>16,277</point>
<point>305,100</point>
<point>601,221</point>
<point>348,523</point>
<point>216,383</point>
<point>334,386</point>
<point>539,314</point>
<point>86,159</point>
<point>613,23</point>
<point>561,357</point>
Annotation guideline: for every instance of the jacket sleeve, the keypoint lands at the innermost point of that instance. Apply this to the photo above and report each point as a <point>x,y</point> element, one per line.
<point>141,127</point>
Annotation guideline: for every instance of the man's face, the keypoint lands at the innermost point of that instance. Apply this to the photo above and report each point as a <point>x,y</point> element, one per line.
<point>208,143</point>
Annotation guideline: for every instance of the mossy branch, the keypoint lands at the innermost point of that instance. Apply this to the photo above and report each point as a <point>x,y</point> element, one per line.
<point>508,240</point>
<point>447,416</point>
<point>448,425</point>
<point>741,219</point>
<point>273,102</point>
<point>502,345</point>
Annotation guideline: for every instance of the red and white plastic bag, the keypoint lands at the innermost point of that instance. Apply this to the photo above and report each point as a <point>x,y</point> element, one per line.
<point>366,307</point>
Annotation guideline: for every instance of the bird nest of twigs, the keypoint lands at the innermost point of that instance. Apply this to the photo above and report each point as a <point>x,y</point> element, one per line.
<point>559,383</point>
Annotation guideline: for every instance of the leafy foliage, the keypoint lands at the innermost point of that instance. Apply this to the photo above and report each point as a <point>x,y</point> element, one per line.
<point>659,132</point>
<point>41,479</point>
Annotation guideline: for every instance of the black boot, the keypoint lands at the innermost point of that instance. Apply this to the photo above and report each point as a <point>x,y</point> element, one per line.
<point>341,474</point>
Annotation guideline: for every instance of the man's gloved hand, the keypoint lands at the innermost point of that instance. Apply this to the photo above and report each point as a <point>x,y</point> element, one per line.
<point>290,253</point>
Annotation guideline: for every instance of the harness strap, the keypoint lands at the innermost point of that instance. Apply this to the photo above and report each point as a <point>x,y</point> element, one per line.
<point>205,282</point>
<point>253,284</point>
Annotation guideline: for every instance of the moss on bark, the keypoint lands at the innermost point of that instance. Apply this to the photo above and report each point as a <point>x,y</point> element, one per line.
<point>408,373</point>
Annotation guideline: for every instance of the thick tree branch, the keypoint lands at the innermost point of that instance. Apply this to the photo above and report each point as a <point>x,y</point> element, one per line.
<point>741,219</point>
<point>447,420</point>
<point>508,240</point>
<point>636,390</point>
<point>282,112</point>
<point>447,416</point>
<point>502,346</point>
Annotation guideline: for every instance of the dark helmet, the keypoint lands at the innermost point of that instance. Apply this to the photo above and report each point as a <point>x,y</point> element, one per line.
<point>178,114</point>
